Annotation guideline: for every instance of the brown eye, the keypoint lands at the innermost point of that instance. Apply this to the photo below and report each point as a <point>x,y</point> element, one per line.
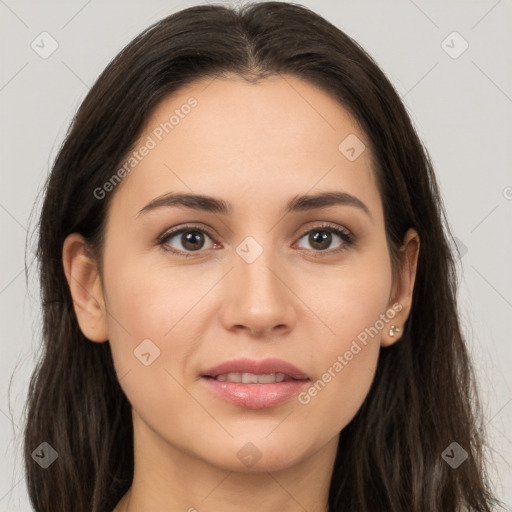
<point>322,238</point>
<point>185,240</point>
<point>192,240</point>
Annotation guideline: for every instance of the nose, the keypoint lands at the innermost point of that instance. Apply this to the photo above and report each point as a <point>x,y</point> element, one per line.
<point>258,299</point>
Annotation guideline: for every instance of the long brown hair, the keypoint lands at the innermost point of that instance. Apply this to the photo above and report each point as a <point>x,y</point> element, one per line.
<point>423,396</point>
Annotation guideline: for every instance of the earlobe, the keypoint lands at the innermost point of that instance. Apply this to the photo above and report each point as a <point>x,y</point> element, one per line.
<point>403,289</point>
<point>84,284</point>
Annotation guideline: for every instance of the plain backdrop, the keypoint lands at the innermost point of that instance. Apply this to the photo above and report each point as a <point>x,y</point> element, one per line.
<point>460,100</point>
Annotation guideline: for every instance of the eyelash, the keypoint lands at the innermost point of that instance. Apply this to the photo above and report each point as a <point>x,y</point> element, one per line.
<point>343,233</point>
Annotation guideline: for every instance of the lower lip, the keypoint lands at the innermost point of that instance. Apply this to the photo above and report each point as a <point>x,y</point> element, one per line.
<point>255,396</point>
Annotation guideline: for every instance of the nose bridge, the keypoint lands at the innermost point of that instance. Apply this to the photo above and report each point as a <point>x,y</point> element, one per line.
<point>257,297</point>
<point>256,279</point>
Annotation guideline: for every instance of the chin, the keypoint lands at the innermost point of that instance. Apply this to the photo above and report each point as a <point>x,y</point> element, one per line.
<point>260,455</point>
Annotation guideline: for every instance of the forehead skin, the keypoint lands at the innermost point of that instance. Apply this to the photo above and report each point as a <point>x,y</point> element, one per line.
<point>257,142</point>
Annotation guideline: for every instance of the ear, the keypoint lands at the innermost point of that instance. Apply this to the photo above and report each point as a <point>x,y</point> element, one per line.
<point>401,296</point>
<point>85,286</point>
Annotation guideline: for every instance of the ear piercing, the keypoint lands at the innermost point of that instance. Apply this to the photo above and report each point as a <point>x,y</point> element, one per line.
<point>393,330</point>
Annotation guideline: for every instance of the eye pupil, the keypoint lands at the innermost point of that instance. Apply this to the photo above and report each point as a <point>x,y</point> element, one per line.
<point>317,239</point>
<point>189,240</point>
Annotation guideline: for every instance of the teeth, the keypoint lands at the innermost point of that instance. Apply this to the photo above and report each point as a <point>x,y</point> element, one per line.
<point>251,378</point>
<point>267,379</point>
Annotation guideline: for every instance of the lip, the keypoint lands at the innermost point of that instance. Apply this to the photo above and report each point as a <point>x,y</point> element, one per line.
<point>255,396</point>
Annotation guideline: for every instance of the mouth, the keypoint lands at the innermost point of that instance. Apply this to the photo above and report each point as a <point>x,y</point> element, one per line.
<point>251,378</point>
<point>255,384</point>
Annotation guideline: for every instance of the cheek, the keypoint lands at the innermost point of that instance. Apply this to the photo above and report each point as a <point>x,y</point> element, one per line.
<point>149,338</point>
<point>351,298</point>
<point>149,303</point>
<point>354,307</point>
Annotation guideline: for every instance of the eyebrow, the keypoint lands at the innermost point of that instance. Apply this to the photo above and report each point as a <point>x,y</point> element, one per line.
<point>214,205</point>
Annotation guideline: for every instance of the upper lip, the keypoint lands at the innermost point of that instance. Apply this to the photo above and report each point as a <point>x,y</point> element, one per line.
<point>263,367</point>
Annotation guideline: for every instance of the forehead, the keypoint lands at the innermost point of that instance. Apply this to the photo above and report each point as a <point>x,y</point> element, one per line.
<point>279,135</point>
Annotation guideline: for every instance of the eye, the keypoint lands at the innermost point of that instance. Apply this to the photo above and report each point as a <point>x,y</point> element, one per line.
<point>186,239</point>
<point>189,239</point>
<point>321,238</point>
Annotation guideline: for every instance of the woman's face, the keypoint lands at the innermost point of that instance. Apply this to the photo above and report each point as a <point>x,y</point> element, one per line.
<point>256,272</point>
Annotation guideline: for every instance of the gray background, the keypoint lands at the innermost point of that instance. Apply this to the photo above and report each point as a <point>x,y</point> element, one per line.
<point>462,108</point>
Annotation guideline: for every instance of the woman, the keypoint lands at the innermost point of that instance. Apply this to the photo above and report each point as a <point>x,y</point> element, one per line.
<point>248,292</point>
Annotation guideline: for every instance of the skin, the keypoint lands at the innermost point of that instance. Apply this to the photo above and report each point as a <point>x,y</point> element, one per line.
<point>255,146</point>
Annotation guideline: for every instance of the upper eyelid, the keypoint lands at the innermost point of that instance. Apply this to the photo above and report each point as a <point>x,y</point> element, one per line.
<point>179,229</point>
